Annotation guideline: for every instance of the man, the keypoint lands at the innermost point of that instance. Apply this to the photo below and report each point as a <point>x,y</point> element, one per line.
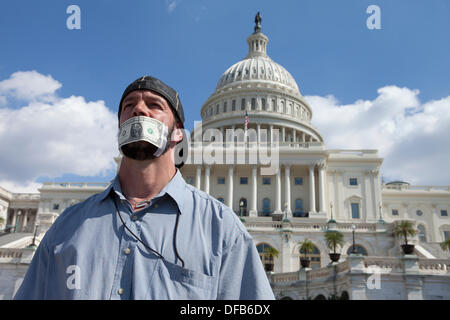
<point>149,235</point>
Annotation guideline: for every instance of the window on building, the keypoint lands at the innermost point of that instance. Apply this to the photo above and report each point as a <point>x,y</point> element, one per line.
<point>444,213</point>
<point>274,104</point>
<point>298,181</point>
<point>243,180</point>
<point>233,105</point>
<point>263,104</point>
<point>266,207</point>
<point>264,259</point>
<point>266,180</point>
<point>253,103</point>
<point>422,233</point>
<point>314,257</point>
<point>243,104</point>
<point>225,106</point>
<point>221,199</point>
<point>358,249</point>
<point>446,235</point>
<point>355,210</point>
<point>419,213</point>
<point>221,180</point>
<point>394,212</point>
<point>353,181</point>
<point>299,208</point>
<point>56,206</point>
<point>217,109</point>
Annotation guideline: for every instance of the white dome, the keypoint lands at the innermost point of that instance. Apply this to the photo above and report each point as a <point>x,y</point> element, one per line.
<point>258,66</point>
<point>260,69</point>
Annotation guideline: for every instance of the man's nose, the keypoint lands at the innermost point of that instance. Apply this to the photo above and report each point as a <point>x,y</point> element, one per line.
<point>140,109</point>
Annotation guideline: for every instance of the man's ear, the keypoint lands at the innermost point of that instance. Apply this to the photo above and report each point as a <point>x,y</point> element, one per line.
<point>177,134</point>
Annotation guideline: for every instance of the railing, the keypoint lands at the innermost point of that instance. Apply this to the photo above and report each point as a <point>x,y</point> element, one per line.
<point>385,265</point>
<point>416,188</point>
<point>13,255</point>
<point>26,196</point>
<point>73,185</point>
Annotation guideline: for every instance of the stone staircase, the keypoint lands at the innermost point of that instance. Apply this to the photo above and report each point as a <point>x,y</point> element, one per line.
<point>6,238</point>
<point>435,249</point>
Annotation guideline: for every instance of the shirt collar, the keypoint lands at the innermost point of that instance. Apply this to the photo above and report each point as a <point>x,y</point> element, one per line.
<point>175,189</point>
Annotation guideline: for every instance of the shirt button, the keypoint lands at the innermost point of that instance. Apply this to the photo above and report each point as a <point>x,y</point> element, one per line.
<point>120,291</point>
<point>127,251</point>
<point>134,217</point>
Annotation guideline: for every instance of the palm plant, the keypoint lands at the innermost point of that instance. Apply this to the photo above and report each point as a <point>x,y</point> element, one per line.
<point>270,253</point>
<point>405,228</point>
<point>334,239</point>
<point>306,246</point>
<point>446,245</point>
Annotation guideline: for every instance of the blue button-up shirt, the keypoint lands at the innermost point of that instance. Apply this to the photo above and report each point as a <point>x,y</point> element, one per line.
<point>88,254</point>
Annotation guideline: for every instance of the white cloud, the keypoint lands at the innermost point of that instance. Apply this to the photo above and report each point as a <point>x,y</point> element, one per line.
<point>52,138</point>
<point>29,85</point>
<point>171,5</point>
<point>411,136</point>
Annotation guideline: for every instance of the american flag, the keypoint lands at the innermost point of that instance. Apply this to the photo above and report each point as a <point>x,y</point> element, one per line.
<point>246,120</point>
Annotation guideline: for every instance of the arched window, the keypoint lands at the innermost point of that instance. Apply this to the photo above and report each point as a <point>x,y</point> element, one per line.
<point>261,249</point>
<point>243,206</point>
<point>358,249</point>
<point>314,257</point>
<point>266,207</point>
<point>422,233</point>
<point>298,208</point>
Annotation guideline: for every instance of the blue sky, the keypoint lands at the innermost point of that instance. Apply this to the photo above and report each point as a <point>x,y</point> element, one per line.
<point>325,44</point>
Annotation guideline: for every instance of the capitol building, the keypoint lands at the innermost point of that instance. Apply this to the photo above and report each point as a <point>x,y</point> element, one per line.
<point>257,151</point>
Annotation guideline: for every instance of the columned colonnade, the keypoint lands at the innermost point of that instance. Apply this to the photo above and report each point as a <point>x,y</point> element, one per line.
<point>24,219</point>
<point>278,208</point>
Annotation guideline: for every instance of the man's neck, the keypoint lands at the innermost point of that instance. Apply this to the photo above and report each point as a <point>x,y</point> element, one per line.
<point>143,180</point>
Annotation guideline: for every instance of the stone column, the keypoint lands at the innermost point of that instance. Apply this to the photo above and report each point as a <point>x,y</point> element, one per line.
<point>294,138</point>
<point>287,190</point>
<point>207,174</point>
<point>258,129</point>
<point>283,134</point>
<point>278,192</point>
<point>271,134</point>
<point>322,205</point>
<point>198,179</point>
<point>230,187</point>
<point>312,194</point>
<point>254,207</point>
<point>13,219</point>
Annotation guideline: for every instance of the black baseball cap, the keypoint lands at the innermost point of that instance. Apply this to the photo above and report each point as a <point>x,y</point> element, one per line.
<point>156,85</point>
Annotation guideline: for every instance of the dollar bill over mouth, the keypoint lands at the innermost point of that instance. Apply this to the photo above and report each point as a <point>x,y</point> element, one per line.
<point>142,129</point>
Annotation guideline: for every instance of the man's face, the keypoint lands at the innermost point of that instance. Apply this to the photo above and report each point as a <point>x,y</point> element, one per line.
<point>149,104</point>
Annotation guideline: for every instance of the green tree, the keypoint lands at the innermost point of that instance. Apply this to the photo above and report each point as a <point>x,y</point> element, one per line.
<point>404,229</point>
<point>334,239</point>
<point>306,246</point>
<point>446,245</point>
<point>271,252</point>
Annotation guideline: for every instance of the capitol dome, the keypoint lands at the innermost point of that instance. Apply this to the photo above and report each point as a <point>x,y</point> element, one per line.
<point>258,66</point>
<point>264,90</point>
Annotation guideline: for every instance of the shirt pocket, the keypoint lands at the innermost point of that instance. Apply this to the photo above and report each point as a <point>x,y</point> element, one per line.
<point>171,281</point>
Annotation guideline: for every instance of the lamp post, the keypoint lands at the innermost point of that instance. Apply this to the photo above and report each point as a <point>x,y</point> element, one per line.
<point>381,211</point>
<point>331,224</point>
<point>17,222</point>
<point>353,231</point>
<point>241,208</point>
